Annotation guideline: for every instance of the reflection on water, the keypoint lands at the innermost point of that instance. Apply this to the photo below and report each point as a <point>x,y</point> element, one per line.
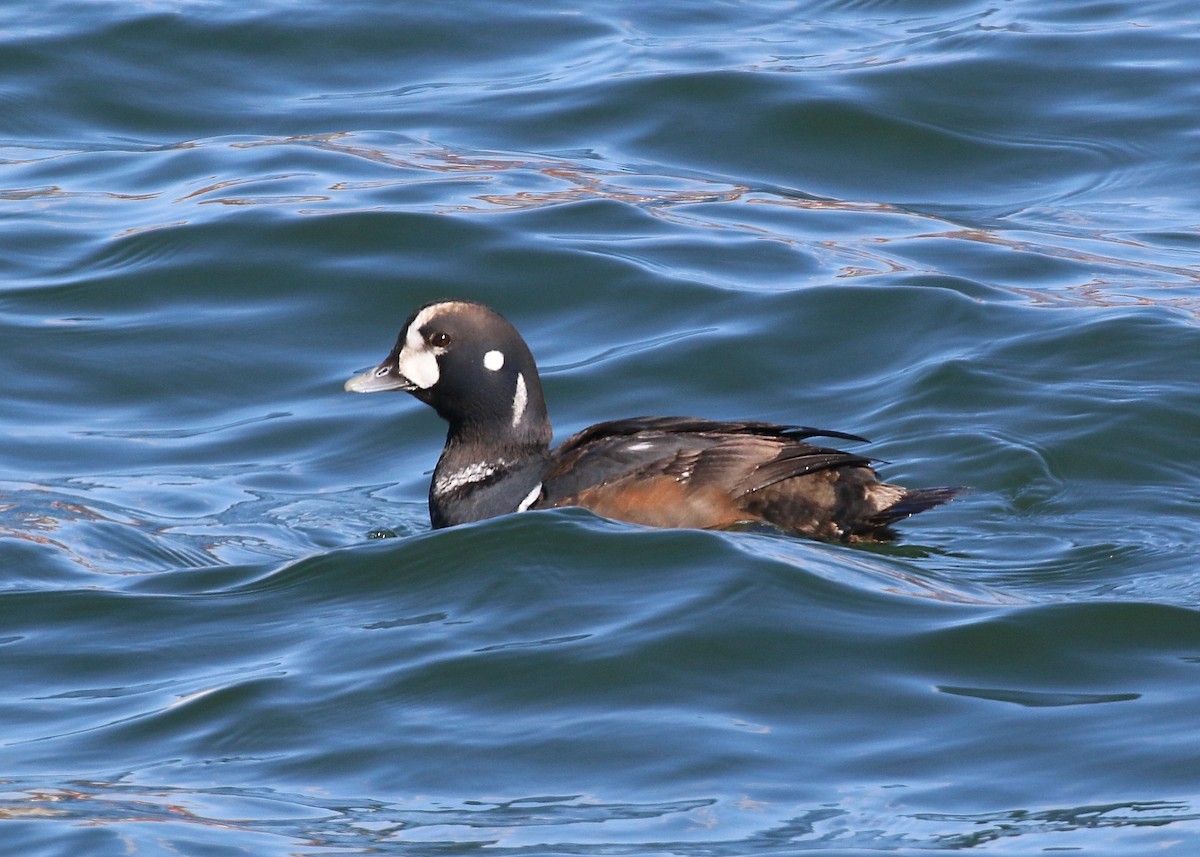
<point>1107,266</point>
<point>576,824</point>
<point>135,524</point>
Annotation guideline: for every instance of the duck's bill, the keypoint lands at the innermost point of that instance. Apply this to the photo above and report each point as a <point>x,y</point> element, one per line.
<point>383,377</point>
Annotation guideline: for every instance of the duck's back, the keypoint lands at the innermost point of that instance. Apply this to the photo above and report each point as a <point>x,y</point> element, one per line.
<point>688,472</point>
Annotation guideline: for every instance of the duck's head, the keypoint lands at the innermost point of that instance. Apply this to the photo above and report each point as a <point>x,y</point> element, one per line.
<point>469,364</point>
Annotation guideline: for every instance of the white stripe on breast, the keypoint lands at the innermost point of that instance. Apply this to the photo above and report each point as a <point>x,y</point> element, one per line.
<point>531,498</point>
<point>468,475</point>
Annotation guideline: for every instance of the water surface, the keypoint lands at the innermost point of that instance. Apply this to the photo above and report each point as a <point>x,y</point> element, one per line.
<point>968,231</point>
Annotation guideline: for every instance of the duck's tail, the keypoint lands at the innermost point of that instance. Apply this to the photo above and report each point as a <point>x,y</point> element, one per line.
<point>916,500</point>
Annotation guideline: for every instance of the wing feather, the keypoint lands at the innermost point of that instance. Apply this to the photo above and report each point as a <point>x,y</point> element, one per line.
<point>739,457</point>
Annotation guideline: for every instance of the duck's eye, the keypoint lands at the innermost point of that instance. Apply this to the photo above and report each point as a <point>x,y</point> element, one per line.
<point>441,339</point>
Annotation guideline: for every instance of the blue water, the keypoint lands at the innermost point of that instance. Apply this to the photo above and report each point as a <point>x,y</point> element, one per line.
<point>969,231</point>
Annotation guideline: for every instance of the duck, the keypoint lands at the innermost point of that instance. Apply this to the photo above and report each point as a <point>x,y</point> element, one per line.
<point>470,365</point>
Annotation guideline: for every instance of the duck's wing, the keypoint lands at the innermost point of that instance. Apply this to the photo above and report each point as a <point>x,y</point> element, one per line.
<point>682,471</point>
<point>740,456</point>
<point>698,425</point>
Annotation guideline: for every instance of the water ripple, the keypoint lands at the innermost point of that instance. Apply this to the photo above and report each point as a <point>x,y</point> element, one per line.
<point>967,231</point>
<point>515,827</point>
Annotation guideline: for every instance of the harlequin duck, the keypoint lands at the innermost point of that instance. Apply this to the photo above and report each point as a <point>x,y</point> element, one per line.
<point>469,364</point>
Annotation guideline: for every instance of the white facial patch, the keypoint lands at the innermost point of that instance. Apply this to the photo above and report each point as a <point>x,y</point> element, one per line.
<point>493,360</point>
<point>418,365</point>
<point>520,400</point>
<point>418,361</point>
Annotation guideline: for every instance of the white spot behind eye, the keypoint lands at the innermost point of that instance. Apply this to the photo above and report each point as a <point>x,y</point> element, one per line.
<point>520,400</point>
<point>493,360</point>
